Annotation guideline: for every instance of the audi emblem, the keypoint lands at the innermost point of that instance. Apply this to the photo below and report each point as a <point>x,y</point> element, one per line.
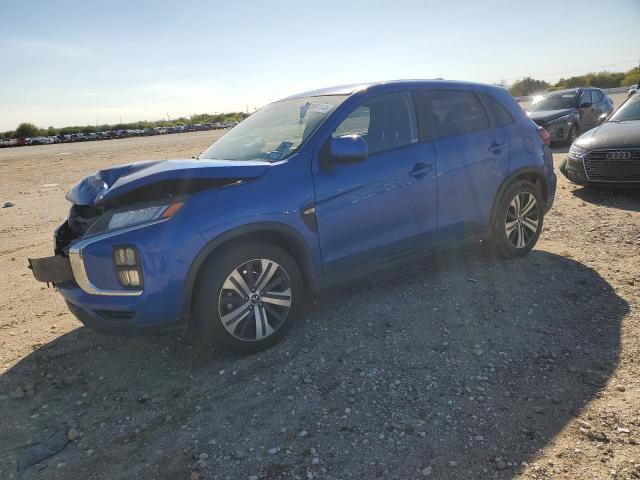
<point>620,155</point>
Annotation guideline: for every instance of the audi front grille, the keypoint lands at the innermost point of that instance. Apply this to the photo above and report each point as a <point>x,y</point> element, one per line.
<point>622,165</point>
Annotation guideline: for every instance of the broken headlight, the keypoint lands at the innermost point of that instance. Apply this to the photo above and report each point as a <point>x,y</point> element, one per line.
<point>130,216</point>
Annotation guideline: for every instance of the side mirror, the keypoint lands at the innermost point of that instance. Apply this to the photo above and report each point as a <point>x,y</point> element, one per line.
<point>348,149</point>
<point>585,104</point>
<point>602,118</point>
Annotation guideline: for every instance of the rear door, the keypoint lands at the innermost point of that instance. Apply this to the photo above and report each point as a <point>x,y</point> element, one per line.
<point>472,154</point>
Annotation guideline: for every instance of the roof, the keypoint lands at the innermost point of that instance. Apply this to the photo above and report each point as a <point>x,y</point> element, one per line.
<point>566,90</point>
<point>352,88</point>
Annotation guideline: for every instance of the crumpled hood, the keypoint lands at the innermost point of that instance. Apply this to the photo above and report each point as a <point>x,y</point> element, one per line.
<point>108,184</point>
<point>547,115</point>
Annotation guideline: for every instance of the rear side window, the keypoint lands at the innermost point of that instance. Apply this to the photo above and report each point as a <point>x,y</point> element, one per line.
<point>443,113</point>
<point>500,114</point>
<point>596,96</point>
<point>385,122</point>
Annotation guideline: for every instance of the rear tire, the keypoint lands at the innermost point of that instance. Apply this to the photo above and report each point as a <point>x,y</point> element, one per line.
<point>518,219</point>
<point>247,297</point>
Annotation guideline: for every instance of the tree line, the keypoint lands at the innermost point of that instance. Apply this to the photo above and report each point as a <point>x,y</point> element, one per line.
<point>29,130</point>
<point>528,85</point>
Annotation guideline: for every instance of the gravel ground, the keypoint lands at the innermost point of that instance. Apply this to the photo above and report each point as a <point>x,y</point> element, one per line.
<point>459,366</point>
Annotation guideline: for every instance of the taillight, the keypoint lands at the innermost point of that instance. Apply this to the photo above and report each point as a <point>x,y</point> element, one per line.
<point>544,135</point>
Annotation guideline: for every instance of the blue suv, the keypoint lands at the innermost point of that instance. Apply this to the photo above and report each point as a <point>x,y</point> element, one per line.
<point>305,192</point>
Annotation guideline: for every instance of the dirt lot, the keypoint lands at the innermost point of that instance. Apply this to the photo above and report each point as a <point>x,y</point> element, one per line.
<point>460,366</point>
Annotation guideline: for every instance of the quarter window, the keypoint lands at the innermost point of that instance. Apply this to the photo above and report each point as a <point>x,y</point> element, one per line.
<point>385,122</point>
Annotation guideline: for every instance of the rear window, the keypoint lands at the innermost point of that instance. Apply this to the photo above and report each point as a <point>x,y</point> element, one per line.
<point>443,113</point>
<point>586,97</point>
<point>500,114</point>
<point>596,95</point>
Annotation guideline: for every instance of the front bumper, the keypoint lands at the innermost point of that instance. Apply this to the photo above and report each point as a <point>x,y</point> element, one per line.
<point>573,169</point>
<point>56,269</point>
<point>94,294</point>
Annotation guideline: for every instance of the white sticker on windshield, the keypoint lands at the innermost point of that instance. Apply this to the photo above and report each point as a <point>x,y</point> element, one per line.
<point>568,95</point>
<point>320,107</point>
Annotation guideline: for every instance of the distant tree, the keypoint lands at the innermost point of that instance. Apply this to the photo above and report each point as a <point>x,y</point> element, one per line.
<point>631,78</point>
<point>528,86</point>
<point>594,79</point>
<point>27,130</point>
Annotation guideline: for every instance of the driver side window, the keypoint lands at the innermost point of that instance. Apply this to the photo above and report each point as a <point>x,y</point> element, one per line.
<point>385,122</point>
<point>586,97</point>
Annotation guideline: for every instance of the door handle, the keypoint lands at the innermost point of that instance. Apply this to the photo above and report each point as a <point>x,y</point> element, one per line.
<point>420,169</point>
<point>496,147</point>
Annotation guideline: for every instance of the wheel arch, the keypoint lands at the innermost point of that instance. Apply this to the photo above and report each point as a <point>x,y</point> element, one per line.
<point>272,232</point>
<point>530,174</point>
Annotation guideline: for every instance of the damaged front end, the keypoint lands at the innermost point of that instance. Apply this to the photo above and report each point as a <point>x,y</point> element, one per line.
<point>57,268</point>
<point>125,197</point>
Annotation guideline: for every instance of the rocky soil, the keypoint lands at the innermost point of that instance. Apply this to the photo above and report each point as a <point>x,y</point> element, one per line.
<point>460,366</point>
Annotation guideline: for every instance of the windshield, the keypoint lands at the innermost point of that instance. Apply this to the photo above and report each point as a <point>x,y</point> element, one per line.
<point>630,110</point>
<point>555,101</point>
<point>274,132</point>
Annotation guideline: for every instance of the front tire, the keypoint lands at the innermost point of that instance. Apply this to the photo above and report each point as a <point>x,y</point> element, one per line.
<point>574,133</point>
<point>247,297</point>
<point>518,219</point>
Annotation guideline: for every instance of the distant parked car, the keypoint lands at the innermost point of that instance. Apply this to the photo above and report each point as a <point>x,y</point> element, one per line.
<point>566,114</point>
<point>609,154</point>
<point>632,89</point>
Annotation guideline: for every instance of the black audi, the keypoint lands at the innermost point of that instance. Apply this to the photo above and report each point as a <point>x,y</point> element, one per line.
<point>610,153</point>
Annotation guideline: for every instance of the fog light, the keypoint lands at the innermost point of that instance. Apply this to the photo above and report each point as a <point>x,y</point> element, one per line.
<point>127,266</point>
<point>125,256</point>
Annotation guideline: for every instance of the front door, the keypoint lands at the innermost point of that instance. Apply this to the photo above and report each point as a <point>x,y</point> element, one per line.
<point>588,116</point>
<point>386,204</point>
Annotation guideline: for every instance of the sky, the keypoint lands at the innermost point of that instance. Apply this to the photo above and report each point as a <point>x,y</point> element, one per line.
<point>77,63</point>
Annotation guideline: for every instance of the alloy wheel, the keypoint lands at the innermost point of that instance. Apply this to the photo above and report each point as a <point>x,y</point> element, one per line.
<point>523,217</point>
<point>255,299</point>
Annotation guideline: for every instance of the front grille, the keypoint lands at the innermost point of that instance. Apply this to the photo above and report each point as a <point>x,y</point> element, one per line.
<point>601,169</point>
